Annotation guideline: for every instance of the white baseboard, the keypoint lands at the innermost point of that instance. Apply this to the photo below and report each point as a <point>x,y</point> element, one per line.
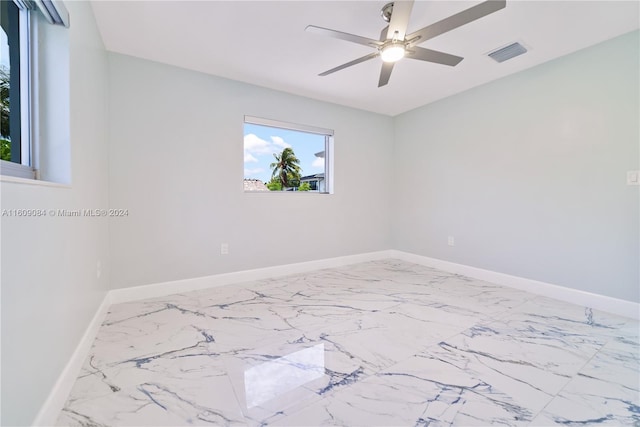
<point>574,296</point>
<point>179,286</point>
<point>50,411</point>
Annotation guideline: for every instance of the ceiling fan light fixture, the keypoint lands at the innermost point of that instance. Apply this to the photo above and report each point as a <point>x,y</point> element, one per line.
<point>392,52</point>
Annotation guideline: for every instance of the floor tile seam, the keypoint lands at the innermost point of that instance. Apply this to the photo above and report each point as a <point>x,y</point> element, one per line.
<point>496,317</point>
<point>295,411</point>
<point>595,354</point>
<point>369,372</point>
<point>238,401</point>
<point>569,380</point>
<point>444,340</point>
<point>332,392</point>
<point>551,399</point>
<point>249,283</point>
<point>514,309</point>
<point>137,387</point>
<point>520,334</point>
<point>373,374</point>
<point>605,338</point>
<point>551,396</point>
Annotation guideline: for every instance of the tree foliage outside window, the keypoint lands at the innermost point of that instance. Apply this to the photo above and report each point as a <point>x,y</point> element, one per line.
<point>274,185</point>
<point>5,109</point>
<point>305,186</point>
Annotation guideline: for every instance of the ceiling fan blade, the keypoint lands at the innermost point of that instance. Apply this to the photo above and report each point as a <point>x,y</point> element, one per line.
<point>457,20</point>
<point>385,73</point>
<point>383,33</point>
<point>433,56</point>
<point>349,64</point>
<point>399,19</point>
<point>343,36</point>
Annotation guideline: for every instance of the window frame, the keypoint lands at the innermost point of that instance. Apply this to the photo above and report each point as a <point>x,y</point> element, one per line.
<point>55,13</point>
<point>328,148</point>
<point>22,167</point>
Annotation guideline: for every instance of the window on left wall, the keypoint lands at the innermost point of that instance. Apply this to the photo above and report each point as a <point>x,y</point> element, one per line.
<point>19,75</point>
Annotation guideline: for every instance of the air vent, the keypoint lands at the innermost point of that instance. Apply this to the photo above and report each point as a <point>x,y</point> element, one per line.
<point>507,52</point>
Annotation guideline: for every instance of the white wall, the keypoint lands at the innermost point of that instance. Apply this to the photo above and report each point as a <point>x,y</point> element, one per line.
<point>528,173</point>
<point>176,163</point>
<point>49,287</point>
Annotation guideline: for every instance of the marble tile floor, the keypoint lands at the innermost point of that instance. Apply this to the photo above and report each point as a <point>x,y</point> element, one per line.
<point>383,343</point>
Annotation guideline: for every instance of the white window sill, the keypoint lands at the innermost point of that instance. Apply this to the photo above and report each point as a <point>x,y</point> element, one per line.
<point>28,181</point>
<point>286,192</point>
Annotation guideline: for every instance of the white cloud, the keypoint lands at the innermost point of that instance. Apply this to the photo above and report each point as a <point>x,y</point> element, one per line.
<point>255,145</point>
<point>249,158</point>
<point>280,142</point>
<point>318,163</point>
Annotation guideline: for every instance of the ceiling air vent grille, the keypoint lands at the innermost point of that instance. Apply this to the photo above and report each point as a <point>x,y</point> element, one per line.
<point>507,52</point>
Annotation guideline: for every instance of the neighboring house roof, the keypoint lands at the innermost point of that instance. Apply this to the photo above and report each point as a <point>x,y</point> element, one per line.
<point>254,185</point>
<point>318,176</point>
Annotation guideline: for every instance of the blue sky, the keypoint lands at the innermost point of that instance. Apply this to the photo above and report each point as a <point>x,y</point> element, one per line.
<point>261,142</point>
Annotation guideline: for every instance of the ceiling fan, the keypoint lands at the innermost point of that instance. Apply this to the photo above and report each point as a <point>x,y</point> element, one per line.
<point>395,43</point>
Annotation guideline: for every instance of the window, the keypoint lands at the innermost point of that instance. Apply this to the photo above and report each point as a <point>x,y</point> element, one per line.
<point>18,86</point>
<point>14,67</point>
<point>281,156</point>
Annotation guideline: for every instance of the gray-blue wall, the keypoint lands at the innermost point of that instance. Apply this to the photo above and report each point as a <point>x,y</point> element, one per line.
<point>528,173</point>
<point>50,288</point>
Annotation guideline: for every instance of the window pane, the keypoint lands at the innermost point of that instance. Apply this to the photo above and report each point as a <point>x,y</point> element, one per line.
<point>277,159</point>
<point>10,82</point>
<point>5,72</point>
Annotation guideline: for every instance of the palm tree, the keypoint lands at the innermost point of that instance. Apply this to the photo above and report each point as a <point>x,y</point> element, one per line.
<point>286,168</point>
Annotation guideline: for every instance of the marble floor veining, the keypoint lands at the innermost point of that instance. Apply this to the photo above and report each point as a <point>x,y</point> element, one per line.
<point>382,343</point>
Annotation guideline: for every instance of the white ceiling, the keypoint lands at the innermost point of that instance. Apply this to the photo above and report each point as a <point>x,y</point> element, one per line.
<point>264,43</point>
